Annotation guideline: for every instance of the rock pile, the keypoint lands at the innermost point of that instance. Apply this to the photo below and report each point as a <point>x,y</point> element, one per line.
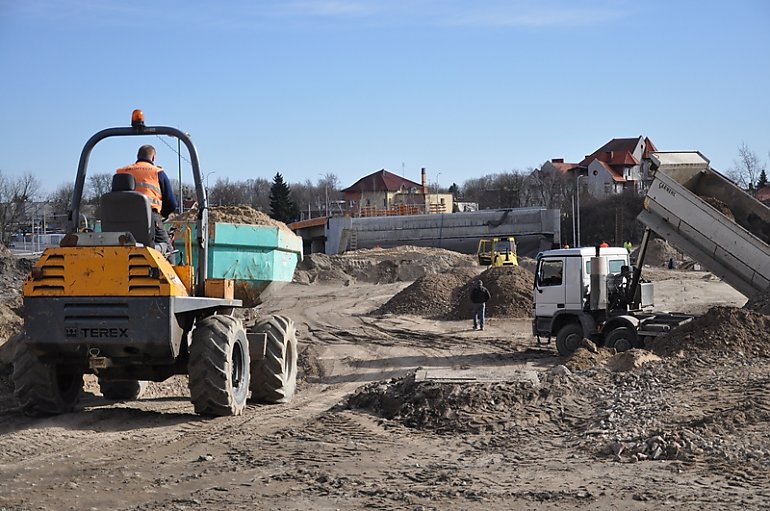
<point>446,408</point>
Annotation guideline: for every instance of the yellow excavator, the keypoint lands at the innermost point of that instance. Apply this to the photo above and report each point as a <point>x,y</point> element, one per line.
<point>497,252</point>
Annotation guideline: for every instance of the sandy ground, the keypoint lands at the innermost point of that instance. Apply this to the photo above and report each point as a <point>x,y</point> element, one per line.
<point>542,440</point>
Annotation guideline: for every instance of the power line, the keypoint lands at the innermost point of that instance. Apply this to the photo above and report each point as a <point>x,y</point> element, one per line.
<point>173,149</point>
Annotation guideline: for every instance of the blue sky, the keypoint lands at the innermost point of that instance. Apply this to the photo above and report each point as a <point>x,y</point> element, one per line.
<point>463,88</point>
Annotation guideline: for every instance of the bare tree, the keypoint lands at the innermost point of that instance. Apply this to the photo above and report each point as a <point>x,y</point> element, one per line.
<point>229,193</point>
<point>98,185</point>
<point>747,168</point>
<point>16,197</point>
<point>60,201</point>
<point>551,189</point>
<point>259,194</point>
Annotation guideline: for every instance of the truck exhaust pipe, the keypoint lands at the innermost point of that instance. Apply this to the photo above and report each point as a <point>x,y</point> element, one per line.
<point>599,273</point>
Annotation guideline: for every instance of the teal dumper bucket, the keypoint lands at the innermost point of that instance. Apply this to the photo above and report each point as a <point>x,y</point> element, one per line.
<point>261,259</point>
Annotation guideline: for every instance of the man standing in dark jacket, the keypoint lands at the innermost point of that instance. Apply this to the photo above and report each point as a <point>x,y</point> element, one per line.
<point>479,298</point>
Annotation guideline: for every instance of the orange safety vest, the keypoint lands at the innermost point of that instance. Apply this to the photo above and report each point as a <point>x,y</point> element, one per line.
<point>147,182</point>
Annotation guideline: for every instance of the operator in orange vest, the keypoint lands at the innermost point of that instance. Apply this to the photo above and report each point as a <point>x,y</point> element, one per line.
<point>153,183</point>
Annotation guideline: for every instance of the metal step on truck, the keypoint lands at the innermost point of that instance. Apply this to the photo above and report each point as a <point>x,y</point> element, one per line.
<point>596,294</point>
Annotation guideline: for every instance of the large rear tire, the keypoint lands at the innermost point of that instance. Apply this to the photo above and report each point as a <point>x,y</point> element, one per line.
<point>622,339</point>
<point>44,389</point>
<point>568,339</point>
<point>122,390</point>
<point>219,366</point>
<point>274,378</point>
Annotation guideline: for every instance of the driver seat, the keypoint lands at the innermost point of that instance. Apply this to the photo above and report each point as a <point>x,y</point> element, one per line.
<point>126,210</point>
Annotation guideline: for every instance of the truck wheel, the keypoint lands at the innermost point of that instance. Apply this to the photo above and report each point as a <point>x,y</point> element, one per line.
<point>568,339</point>
<point>621,339</point>
<point>274,379</point>
<point>219,366</point>
<point>122,390</point>
<point>44,389</point>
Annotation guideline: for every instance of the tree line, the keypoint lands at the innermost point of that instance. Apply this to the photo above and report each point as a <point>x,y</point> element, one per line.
<point>601,219</point>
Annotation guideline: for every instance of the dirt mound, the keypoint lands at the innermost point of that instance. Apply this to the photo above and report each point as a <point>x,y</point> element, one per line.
<point>380,266</point>
<point>433,295</point>
<point>13,271</point>
<point>10,318</point>
<point>727,330</point>
<point>588,355</point>
<point>658,253</point>
<point>511,290</point>
<point>458,407</point>
<point>231,215</point>
<point>447,295</point>
<point>760,305</point>
<point>630,360</point>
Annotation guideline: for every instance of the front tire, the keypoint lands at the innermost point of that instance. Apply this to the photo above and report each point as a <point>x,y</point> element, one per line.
<point>219,366</point>
<point>568,339</point>
<point>274,378</point>
<point>44,389</point>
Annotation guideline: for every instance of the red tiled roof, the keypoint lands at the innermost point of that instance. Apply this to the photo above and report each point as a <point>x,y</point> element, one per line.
<point>565,168</point>
<point>382,181</point>
<point>614,150</point>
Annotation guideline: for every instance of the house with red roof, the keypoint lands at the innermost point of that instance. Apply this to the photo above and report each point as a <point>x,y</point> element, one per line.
<point>621,165</point>
<point>384,193</point>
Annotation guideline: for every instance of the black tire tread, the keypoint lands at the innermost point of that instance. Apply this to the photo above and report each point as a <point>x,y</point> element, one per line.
<point>211,391</point>
<point>274,379</point>
<point>36,388</point>
<point>561,336</point>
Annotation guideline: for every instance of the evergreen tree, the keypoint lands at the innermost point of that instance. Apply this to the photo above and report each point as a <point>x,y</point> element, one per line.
<point>282,206</point>
<point>762,179</point>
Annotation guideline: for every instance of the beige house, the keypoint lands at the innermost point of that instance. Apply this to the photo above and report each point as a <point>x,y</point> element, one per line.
<point>384,193</point>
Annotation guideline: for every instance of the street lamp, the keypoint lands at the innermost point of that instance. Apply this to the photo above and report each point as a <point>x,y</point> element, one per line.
<point>326,194</point>
<point>207,181</point>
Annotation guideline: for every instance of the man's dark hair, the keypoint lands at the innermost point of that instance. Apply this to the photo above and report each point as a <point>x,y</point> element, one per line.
<point>146,153</point>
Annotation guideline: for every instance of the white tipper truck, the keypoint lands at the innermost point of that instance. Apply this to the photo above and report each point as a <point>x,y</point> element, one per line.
<point>595,293</point>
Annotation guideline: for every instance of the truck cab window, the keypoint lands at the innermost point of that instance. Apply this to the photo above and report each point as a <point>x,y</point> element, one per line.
<point>550,273</point>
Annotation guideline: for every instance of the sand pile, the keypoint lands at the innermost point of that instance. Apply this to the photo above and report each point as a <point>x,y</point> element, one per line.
<point>380,266</point>
<point>511,290</point>
<point>447,295</point>
<point>232,215</point>
<point>726,330</point>
<point>433,295</point>
<point>658,253</point>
